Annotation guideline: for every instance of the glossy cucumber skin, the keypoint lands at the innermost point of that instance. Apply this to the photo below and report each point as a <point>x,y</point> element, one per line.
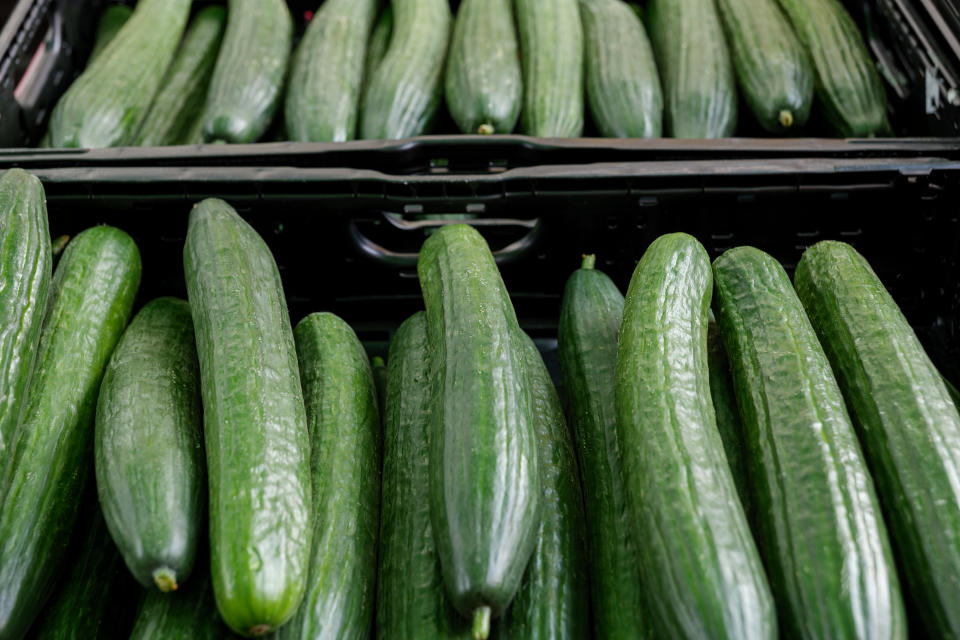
<point>551,39</point>
<point>106,105</point>
<point>403,95</point>
<point>189,614</point>
<point>411,600</point>
<point>905,417</point>
<point>700,569</point>
<point>179,103</point>
<point>379,43</point>
<point>91,297</point>
<point>817,518</point>
<point>326,74</point>
<point>483,81</point>
<point>696,69</point>
<point>147,445</point>
<point>111,21</point>
<point>587,343</point>
<point>255,427</point>
<point>623,86</point>
<point>25,271</point>
<point>485,490</point>
<point>248,77</point>
<point>341,402</point>
<point>728,415</point>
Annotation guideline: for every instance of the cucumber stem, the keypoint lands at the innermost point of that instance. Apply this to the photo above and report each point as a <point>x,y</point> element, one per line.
<point>485,129</point>
<point>166,579</point>
<point>589,261</point>
<point>786,118</point>
<point>481,623</point>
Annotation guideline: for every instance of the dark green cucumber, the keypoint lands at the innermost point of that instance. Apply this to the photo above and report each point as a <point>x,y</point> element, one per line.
<point>700,568</point>
<point>848,86</point>
<point>554,597</point>
<point>484,483</point>
<point>106,105</point>
<point>179,103</point>
<point>341,402</point>
<point>247,81</point>
<point>255,425</point>
<point>111,21</point>
<point>623,87</point>
<point>189,614</point>
<point>773,70</point>
<point>696,70</point>
<point>817,519</point>
<point>147,448</point>
<point>25,267</point>
<point>906,419</point>
<point>411,601</point>
<point>483,84</point>
<point>551,39</point>
<point>587,344</point>
<point>326,75</point>
<point>403,95</point>
<point>728,416</point>
<point>380,379</point>
<point>379,43</point>
<point>91,297</point>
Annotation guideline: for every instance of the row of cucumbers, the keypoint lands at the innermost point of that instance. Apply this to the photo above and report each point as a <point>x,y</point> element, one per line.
<point>356,75</point>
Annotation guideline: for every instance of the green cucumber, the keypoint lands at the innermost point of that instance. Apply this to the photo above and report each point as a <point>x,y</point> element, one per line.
<point>255,426</point>
<point>25,268</point>
<point>91,297</point>
<point>248,77</point>
<point>728,416</point>
<point>379,43</point>
<point>341,402</point>
<point>180,100</point>
<point>773,70</point>
<point>623,87</point>
<point>551,39</point>
<point>848,86</point>
<point>111,21</point>
<point>403,95</point>
<point>147,447</point>
<point>587,343</point>
<point>106,105</point>
<point>380,379</point>
<point>189,614</point>
<point>817,519</point>
<point>554,598</point>
<point>700,568</point>
<point>483,84</point>
<point>326,75</point>
<point>484,483</point>
<point>696,70</point>
<point>905,416</point>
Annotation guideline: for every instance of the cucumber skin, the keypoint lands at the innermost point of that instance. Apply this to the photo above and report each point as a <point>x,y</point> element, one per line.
<point>905,416</point>
<point>700,568</point>
<point>816,514</point>
<point>587,343</point>
<point>255,428</point>
<point>147,444</point>
<point>91,297</point>
<point>25,272</point>
<point>111,21</point>
<point>189,614</point>
<point>378,45</point>
<point>341,403</point>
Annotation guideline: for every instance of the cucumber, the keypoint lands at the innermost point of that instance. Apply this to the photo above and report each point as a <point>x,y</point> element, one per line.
<point>411,601</point>
<point>380,379</point>
<point>179,102</point>
<point>551,39</point>
<point>817,519</point>
<point>700,568</point>
<point>587,344</point>
<point>905,416</point>
<point>341,402</point>
<point>484,483</point>
<point>483,84</point>
<point>111,21</point>
<point>147,445</point>
<point>379,43</point>
<point>728,416</point>
<point>25,268</point>
<point>106,105</point>
<point>91,297</point>
<point>247,81</point>
<point>326,75</point>
<point>623,87</point>
<point>255,426</point>
<point>848,86</point>
<point>554,598</point>
<point>773,70</point>
<point>696,70</point>
<point>403,94</point>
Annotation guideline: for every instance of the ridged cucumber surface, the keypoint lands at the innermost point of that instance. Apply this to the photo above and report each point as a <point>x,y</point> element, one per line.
<point>817,519</point>
<point>728,415</point>
<point>700,568</point>
<point>189,614</point>
<point>111,21</point>
<point>379,43</point>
